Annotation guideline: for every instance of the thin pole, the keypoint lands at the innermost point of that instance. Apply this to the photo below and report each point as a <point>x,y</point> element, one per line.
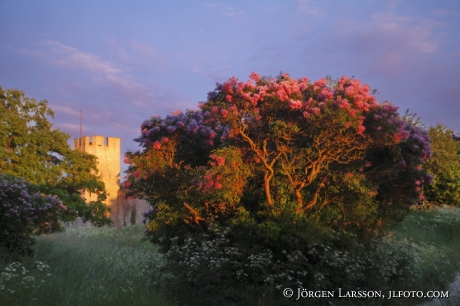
<point>81,122</point>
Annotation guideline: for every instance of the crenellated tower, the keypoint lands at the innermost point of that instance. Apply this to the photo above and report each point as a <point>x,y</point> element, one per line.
<point>107,150</point>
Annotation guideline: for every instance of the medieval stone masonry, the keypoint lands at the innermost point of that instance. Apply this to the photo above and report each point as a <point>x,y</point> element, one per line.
<point>108,152</point>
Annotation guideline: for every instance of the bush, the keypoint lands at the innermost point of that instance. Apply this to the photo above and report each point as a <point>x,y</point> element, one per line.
<point>213,269</point>
<point>445,166</point>
<point>25,212</point>
<point>280,163</point>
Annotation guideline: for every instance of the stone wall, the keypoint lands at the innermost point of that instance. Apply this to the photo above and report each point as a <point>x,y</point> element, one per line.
<point>128,210</point>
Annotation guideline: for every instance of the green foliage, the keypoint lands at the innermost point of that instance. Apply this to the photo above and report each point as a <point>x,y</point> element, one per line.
<point>31,149</point>
<point>445,166</point>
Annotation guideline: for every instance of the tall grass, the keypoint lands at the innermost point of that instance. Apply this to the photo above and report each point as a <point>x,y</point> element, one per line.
<point>109,266</point>
<point>436,232</point>
<point>87,266</point>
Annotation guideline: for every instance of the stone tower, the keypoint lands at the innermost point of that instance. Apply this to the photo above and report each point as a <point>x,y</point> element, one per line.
<point>107,150</point>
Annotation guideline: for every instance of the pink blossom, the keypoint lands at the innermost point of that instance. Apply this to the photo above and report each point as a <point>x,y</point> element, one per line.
<point>417,183</point>
<point>367,164</point>
<point>224,112</point>
<point>228,98</point>
<point>347,125</point>
<point>257,160</point>
<point>227,87</point>
<point>156,145</point>
<point>218,185</point>
<point>177,112</point>
<point>294,104</point>
<point>344,104</point>
<point>164,140</point>
<point>421,196</point>
<point>254,76</point>
<point>350,91</point>
<point>316,110</point>
<point>379,128</point>
<point>220,160</point>
<point>361,129</point>
<point>126,160</point>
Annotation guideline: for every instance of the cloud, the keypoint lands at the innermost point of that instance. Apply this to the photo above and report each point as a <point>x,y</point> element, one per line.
<point>64,110</point>
<point>389,44</point>
<point>306,7</point>
<point>231,11</point>
<point>441,12</point>
<point>228,11</point>
<point>106,76</point>
<point>416,36</point>
<point>70,128</point>
<point>145,50</point>
<point>216,74</point>
<point>71,57</point>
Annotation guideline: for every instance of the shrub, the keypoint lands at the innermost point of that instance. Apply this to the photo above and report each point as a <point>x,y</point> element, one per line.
<point>214,269</point>
<point>25,212</point>
<point>280,162</point>
<point>445,166</point>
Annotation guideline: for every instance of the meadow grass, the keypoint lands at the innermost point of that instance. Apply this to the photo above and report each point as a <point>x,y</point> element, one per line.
<point>86,266</point>
<point>110,266</point>
<point>436,232</point>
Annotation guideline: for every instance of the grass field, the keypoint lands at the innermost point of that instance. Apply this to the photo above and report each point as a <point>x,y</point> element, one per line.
<point>88,266</point>
<point>436,232</point>
<point>109,266</point>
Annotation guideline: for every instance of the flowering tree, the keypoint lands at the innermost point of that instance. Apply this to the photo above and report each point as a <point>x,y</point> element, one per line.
<point>25,212</point>
<point>280,145</point>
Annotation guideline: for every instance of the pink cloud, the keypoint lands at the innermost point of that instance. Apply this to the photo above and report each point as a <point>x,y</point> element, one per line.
<point>71,57</point>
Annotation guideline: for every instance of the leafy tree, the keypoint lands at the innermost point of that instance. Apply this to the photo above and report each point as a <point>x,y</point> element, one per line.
<point>445,166</point>
<point>31,149</point>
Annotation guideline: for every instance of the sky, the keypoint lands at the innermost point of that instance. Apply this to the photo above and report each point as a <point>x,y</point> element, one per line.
<point>121,62</point>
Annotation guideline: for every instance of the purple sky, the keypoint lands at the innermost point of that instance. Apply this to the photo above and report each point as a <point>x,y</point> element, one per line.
<point>124,61</point>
